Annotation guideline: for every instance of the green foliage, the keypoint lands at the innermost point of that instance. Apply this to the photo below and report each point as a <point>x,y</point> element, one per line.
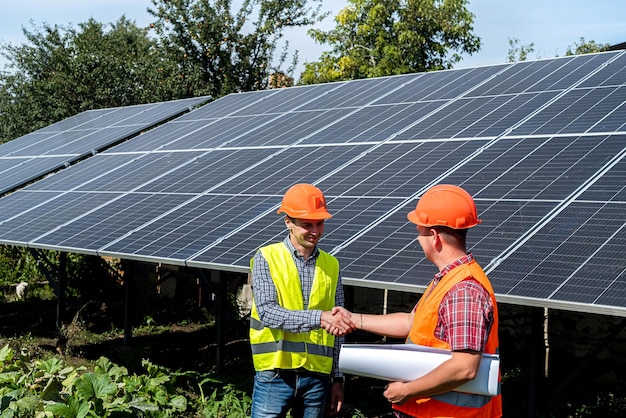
<point>90,277</point>
<point>61,71</point>
<point>586,47</point>
<point>220,52</point>
<point>46,388</point>
<point>225,401</point>
<point>374,38</point>
<point>16,265</point>
<point>519,52</point>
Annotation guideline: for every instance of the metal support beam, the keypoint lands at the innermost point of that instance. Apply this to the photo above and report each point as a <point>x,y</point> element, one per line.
<point>62,278</point>
<point>222,304</point>
<point>129,270</point>
<point>536,366</point>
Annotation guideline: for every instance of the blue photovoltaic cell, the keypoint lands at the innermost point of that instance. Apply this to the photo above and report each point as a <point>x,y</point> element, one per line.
<point>359,92</point>
<point>192,227</point>
<point>49,213</point>
<point>76,122</point>
<point>20,171</point>
<point>390,252</point>
<point>115,219</point>
<point>440,85</point>
<point>548,262</point>
<point>286,100</point>
<point>372,124</point>
<point>78,136</point>
<point>219,133</point>
<point>86,171</point>
<point>398,170</point>
<point>613,74</point>
<point>350,216</point>
<point>16,203</point>
<point>161,136</point>
<point>536,168</point>
<point>206,171</point>
<point>224,106</point>
<point>237,249</point>
<point>543,75</point>
<point>476,117</point>
<point>290,166</point>
<point>579,111</point>
<point>287,129</point>
<point>610,187</point>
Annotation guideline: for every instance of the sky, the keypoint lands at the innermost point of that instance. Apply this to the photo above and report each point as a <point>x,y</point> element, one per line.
<point>552,25</point>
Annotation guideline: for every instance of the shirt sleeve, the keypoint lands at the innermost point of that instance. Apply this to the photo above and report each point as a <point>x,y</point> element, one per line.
<point>339,301</point>
<point>271,314</point>
<point>466,316</point>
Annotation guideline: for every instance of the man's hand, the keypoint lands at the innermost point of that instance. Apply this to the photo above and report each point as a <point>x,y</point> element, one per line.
<point>336,399</point>
<point>396,392</point>
<point>337,321</point>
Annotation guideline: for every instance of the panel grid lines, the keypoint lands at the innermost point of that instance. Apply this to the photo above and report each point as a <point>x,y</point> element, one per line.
<point>541,145</point>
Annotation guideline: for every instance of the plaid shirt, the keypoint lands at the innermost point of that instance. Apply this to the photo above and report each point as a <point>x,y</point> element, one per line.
<point>465,313</point>
<point>275,316</point>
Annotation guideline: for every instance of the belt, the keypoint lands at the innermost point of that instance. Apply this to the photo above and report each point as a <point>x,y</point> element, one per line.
<point>301,372</point>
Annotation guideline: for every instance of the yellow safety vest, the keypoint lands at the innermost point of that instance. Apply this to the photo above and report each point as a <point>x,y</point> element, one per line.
<point>274,348</point>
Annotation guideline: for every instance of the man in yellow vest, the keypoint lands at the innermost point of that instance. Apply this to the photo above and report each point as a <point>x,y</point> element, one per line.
<point>457,312</point>
<point>294,338</point>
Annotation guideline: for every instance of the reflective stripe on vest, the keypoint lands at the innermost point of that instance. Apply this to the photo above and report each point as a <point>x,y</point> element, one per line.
<point>277,349</point>
<point>451,404</point>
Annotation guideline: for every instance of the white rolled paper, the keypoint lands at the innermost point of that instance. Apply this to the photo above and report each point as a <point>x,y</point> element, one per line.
<point>406,362</point>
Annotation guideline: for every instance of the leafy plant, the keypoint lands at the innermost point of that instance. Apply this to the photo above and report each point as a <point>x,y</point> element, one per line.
<point>47,388</point>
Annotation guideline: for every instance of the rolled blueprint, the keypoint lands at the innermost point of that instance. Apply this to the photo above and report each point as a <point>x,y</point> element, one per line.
<point>406,362</point>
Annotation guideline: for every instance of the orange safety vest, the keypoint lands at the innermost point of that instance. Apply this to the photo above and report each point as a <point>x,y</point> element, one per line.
<point>451,404</point>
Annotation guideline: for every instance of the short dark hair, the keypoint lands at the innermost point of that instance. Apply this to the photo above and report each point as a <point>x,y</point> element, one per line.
<point>459,235</point>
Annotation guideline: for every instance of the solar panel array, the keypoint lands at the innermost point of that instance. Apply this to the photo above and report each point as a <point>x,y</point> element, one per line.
<point>56,146</point>
<point>541,145</point>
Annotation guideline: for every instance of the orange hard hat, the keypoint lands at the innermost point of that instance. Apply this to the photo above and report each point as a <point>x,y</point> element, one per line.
<point>445,205</point>
<point>304,201</point>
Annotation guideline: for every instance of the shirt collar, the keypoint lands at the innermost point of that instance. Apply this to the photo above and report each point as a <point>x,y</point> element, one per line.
<point>463,260</point>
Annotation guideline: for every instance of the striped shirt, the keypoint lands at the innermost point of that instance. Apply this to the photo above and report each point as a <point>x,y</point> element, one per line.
<point>275,316</point>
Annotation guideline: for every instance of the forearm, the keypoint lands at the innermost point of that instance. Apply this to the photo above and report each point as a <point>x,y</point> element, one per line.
<point>395,325</point>
<point>446,377</point>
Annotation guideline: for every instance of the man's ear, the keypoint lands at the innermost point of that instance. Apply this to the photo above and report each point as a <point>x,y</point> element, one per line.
<point>435,236</point>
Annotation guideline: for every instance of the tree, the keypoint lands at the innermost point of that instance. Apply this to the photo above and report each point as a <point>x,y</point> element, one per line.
<point>519,52</point>
<point>375,38</point>
<point>219,52</point>
<point>585,47</point>
<point>61,71</point>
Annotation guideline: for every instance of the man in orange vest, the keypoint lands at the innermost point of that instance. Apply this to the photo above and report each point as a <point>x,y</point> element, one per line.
<point>457,312</point>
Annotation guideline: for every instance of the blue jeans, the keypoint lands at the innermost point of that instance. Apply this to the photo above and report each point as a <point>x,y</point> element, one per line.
<point>275,392</point>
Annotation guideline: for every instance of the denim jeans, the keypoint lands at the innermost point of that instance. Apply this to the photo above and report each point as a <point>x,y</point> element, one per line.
<point>275,392</point>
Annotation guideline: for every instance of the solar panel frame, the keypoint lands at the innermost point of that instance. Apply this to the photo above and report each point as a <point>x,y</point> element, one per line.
<point>539,144</point>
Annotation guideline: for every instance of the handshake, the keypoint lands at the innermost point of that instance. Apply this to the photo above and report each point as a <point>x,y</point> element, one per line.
<point>338,321</point>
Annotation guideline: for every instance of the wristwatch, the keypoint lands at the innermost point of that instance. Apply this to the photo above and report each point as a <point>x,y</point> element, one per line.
<point>338,379</point>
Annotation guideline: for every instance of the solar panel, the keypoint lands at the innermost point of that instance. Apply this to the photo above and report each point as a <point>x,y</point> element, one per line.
<point>60,144</point>
<point>541,145</point>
